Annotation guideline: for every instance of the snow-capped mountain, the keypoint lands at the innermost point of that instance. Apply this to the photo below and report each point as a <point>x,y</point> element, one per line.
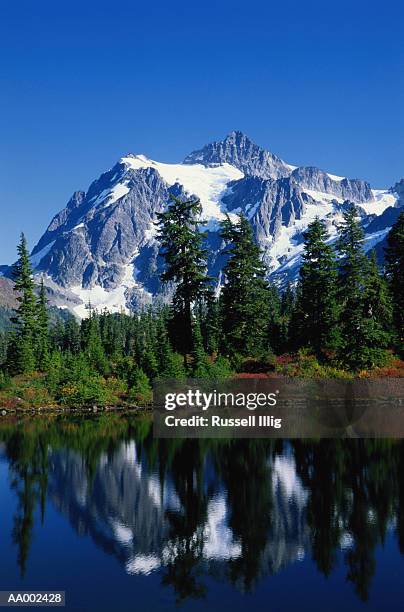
<point>102,247</point>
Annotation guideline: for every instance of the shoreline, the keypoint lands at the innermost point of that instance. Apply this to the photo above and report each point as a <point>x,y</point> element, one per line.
<point>56,410</point>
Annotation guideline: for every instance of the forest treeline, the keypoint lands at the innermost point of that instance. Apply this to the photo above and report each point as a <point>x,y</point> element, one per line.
<point>344,316</point>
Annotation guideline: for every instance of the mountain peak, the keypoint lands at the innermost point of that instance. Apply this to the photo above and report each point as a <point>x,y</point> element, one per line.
<point>237,135</point>
<point>241,139</point>
<point>135,161</point>
<point>238,150</point>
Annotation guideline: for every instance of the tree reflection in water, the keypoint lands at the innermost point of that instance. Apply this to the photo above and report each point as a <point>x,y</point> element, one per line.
<point>237,510</point>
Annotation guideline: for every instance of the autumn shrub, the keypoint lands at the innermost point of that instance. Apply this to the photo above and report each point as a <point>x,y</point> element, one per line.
<point>25,391</point>
<point>394,369</point>
<point>306,365</point>
<point>92,390</point>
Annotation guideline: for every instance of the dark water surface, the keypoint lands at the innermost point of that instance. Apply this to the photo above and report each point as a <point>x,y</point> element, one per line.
<point>120,521</point>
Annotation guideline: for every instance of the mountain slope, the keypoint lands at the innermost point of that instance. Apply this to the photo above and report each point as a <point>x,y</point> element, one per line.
<point>102,248</point>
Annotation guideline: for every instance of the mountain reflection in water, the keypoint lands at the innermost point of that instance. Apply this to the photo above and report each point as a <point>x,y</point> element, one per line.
<point>196,510</point>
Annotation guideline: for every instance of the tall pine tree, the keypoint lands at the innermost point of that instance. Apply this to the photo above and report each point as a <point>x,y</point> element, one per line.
<point>362,337</point>
<point>378,308</point>
<point>21,358</point>
<point>395,276</point>
<point>244,296</point>
<point>315,318</point>
<point>185,257</point>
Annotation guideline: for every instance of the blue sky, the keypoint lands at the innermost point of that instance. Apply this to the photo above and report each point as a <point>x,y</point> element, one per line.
<point>82,83</point>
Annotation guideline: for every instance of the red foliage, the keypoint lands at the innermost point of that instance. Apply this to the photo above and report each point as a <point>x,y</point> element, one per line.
<point>285,359</point>
<point>394,370</point>
<point>251,375</point>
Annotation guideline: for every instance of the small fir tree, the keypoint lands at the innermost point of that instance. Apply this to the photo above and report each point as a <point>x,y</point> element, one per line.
<point>91,343</point>
<point>199,367</point>
<point>42,331</point>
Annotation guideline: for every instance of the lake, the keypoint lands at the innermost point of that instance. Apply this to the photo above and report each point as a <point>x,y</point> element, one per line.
<point>96,507</point>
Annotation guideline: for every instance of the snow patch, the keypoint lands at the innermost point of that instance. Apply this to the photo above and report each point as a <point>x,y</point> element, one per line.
<point>209,184</point>
<point>98,297</point>
<point>334,177</point>
<point>285,249</point>
<point>151,232</point>
<point>109,196</point>
<point>322,196</point>
<point>283,252</point>
<point>373,239</point>
<point>383,198</point>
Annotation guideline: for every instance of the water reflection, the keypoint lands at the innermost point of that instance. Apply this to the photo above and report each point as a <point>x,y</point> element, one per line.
<point>236,510</point>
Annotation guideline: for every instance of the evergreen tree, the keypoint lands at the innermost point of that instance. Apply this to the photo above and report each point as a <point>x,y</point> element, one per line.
<point>378,305</point>
<point>395,276</point>
<point>276,338</point>
<point>136,342</point>
<point>111,333</point>
<point>211,325</point>
<point>3,347</point>
<point>149,362</point>
<point>148,357</point>
<point>91,343</point>
<point>360,329</point>
<point>57,336</point>
<point>140,390</point>
<point>170,364</point>
<point>21,356</point>
<point>42,331</point>
<point>244,296</point>
<point>71,335</point>
<point>199,363</point>
<point>185,258</point>
<point>315,318</point>
<point>288,299</point>
<point>207,312</point>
